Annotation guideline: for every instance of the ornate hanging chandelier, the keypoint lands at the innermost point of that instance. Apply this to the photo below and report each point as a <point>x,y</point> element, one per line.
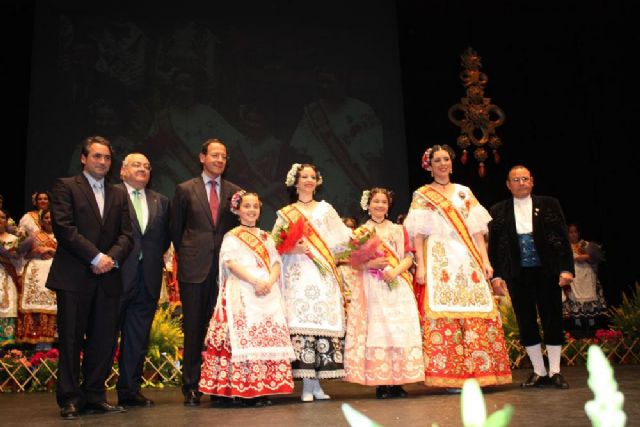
<point>475,115</point>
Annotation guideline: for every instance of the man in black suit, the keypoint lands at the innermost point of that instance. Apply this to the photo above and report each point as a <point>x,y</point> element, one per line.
<point>91,222</point>
<point>199,218</point>
<point>530,252</point>
<point>141,274</point>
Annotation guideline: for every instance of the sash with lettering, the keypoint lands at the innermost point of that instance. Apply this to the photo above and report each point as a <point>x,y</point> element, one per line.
<point>246,312</point>
<point>292,213</point>
<point>443,298</point>
<point>255,244</point>
<point>394,261</point>
<point>321,127</point>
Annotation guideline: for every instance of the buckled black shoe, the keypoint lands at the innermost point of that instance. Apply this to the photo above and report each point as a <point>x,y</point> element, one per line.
<point>535,380</point>
<point>69,412</point>
<point>558,381</point>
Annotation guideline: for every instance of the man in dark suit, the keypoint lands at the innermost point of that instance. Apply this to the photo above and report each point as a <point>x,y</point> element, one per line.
<point>91,222</point>
<point>141,274</point>
<point>199,218</point>
<point>530,252</point>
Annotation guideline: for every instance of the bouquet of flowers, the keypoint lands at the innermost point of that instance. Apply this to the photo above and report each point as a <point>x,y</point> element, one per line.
<point>365,246</point>
<point>287,236</point>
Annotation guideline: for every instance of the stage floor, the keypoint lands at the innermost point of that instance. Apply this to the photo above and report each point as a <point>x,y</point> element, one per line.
<point>423,407</point>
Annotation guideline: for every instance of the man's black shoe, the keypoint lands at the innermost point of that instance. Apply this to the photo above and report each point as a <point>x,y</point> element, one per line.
<point>137,399</point>
<point>535,380</point>
<point>69,412</point>
<point>558,381</point>
<point>103,408</point>
<point>192,398</point>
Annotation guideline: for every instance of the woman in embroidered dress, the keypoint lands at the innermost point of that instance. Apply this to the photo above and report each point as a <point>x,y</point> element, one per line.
<point>11,251</point>
<point>383,344</point>
<point>463,335</point>
<point>30,221</point>
<point>37,306</point>
<point>248,351</point>
<point>583,299</point>
<point>312,284</point>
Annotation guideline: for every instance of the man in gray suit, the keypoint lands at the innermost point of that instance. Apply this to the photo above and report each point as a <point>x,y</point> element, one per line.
<point>141,275</point>
<point>199,218</point>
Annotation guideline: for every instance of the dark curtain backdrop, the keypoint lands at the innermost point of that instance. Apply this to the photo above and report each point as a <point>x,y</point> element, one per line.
<point>562,72</point>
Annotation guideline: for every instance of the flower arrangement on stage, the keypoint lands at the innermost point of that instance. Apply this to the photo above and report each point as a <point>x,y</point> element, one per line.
<point>365,246</point>
<point>45,366</point>
<point>287,236</point>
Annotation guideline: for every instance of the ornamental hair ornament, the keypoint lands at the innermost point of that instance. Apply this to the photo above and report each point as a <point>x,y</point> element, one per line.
<point>364,200</point>
<point>291,175</point>
<point>426,159</point>
<point>234,204</point>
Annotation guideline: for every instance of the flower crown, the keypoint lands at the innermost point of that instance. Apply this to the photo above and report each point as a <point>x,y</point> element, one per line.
<point>364,200</point>
<point>426,159</point>
<point>291,175</point>
<point>234,205</point>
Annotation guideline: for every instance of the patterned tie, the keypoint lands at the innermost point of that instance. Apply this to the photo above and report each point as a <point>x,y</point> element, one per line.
<point>137,206</point>
<point>214,203</point>
<point>99,193</point>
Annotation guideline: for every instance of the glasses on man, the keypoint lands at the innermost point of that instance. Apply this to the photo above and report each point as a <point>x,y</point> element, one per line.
<point>522,179</point>
<point>147,166</point>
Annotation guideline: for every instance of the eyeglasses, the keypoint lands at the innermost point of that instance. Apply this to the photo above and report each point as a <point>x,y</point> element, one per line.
<point>522,179</point>
<point>147,166</point>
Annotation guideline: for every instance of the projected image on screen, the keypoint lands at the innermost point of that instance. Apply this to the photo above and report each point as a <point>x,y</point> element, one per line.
<point>276,88</point>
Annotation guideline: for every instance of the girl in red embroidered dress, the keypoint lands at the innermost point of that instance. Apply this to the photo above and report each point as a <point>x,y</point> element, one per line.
<point>248,350</point>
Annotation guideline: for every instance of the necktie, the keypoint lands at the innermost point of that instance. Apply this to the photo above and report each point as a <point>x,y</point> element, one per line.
<point>99,193</point>
<point>214,203</point>
<point>137,206</point>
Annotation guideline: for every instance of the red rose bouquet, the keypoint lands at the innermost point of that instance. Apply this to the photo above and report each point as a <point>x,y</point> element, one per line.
<point>287,236</point>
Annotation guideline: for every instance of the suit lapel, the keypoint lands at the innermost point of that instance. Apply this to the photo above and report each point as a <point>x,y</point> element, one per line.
<point>535,216</point>
<point>83,183</point>
<point>152,205</point>
<point>511,220</point>
<point>225,196</point>
<point>201,195</point>
<point>109,194</point>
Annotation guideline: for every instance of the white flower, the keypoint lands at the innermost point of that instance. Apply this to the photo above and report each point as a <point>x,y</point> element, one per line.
<point>291,175</point>
<point>364,200</point>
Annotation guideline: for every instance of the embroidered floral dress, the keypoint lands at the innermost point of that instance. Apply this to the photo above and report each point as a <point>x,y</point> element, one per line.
<point>313,298</point>
<point>30,223</point>
<point>248,349</point>
<point>9,281</point>
<point>585,299</point>
<point>462,332</point>
<point>383,344</point>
